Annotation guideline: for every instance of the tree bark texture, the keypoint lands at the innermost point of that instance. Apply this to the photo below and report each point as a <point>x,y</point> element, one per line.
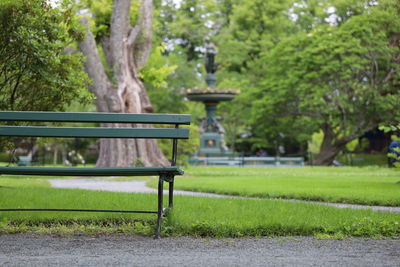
<point>328,152</point>
<point>126,50</point>
<point>331,146</point>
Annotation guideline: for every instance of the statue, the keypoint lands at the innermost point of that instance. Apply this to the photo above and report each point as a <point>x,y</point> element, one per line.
<point>208,125</point>
<point>211,51</point>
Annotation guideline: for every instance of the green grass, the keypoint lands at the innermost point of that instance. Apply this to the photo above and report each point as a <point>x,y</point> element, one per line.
<point>368,186</point>
<point>11,182</point>
<point>42,197</point>
<point>247,217</point>
<point>194,216</point>
<point>18,195</point>
<point>364,160</point>
<point>209,217</point>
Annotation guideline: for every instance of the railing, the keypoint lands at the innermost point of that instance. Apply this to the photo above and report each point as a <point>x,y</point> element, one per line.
<point>247,161</point>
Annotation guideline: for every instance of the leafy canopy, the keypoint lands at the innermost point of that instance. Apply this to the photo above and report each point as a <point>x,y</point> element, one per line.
<point>343,77</point>
<point>35,72</point>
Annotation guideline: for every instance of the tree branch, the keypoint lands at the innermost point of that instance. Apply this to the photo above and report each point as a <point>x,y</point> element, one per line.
<point>346,139</point>
<point>304,113</point>
<point>389,75</point>
<point>144,38</point>
<point>120,21</point>
<point>105,44</point>
<point>12,98</point>
<point>133,34</point>
<point>94,67</point>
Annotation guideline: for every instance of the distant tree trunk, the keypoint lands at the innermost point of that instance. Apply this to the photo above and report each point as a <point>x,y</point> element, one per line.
<point>127,50</point>
<point>328,149</point>
<point>327,155</point>
<point>333,144</point>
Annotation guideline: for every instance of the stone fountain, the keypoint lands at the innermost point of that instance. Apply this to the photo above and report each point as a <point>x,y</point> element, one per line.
<point>212,141</point>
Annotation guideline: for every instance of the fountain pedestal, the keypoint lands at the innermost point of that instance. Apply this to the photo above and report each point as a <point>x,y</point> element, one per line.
<point>212,139</point>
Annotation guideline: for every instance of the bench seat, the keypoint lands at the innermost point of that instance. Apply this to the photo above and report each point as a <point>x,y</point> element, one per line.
<point>51,171</point>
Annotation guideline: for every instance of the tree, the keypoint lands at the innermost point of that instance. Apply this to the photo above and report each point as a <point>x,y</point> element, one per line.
<point>126,49</point>
<point>35,71</point>
<point>343,79</point>
<point>254,28</point>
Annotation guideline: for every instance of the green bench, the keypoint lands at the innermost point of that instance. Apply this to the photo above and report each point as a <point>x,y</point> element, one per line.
<point>165,174</point>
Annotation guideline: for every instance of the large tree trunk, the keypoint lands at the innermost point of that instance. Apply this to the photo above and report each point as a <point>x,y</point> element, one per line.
<point>127,50</point>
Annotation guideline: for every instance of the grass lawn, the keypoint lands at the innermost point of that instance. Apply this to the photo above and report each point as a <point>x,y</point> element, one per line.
<point>196,216</point>
<point>368,185</point>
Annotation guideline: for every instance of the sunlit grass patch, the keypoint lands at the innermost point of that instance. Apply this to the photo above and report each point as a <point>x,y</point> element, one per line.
<point>12,182</point>
<point>246,217</point>
<point>369,186</point>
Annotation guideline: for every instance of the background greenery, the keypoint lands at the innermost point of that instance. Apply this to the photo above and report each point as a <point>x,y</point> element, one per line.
<point>304,68</point>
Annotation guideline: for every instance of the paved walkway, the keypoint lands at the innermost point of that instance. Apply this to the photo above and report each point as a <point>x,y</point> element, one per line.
<point>140,187</point>
<point>125,250</point>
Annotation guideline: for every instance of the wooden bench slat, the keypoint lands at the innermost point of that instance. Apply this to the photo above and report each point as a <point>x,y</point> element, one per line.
<point>50,171</point>
<point>95,117</point>
<point>94,132</point>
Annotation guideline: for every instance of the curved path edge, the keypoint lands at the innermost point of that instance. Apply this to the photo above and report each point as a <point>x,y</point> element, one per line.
<point>140,187</point>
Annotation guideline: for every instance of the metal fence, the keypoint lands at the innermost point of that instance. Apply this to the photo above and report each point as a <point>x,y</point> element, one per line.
<point>247,161</point>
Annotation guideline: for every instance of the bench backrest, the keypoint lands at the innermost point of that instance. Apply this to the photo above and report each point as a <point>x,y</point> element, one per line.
<point>95,132</point>
<point>98,132</point>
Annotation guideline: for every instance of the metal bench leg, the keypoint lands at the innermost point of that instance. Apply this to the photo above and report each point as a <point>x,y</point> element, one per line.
<point>171,195</point>
<point>160,206</point>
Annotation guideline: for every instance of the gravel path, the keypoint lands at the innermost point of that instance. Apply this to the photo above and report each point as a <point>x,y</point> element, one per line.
<point>44,250</point>
<point>140,187</point>
<point>120,186</point>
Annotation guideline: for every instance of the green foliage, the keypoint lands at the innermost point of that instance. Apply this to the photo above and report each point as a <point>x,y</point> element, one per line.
<point>35,71</point>
<point>392,156</point>
<point>189,24</point>
<point>339,78</point>
<point>247,37</point>
<point>102,11</point>
<point>352,145</point>
<point>255,26</point>
<point>157,76</point>
<point>157,70</point>
<point>314,144</point>
<point>177,75</point>
<point>311,14</point>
